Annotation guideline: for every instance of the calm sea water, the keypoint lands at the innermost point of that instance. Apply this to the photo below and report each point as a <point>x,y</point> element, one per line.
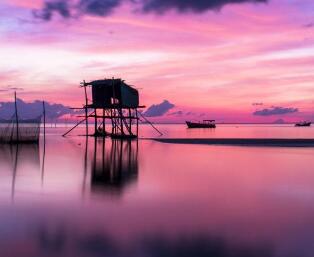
<point>144,198</point>
<point>222,131</point>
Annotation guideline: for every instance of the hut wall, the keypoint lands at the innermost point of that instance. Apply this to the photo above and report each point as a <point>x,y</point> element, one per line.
<point>101,96</point>
<point>129,97</point>
<point>103,93</point>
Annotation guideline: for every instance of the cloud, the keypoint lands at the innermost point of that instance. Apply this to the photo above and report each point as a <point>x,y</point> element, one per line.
<point>50,8</point>
<point>279,121</point>
<point>33,109</point>
<point>177,113</point>
<point>309,25</point>
<point>73,8</point>
<point>11,89</point>
<point>158,109</point>
<point>98,7</point>
<point>257,104</point>
<point>275,110</point>
<point>198,6</point>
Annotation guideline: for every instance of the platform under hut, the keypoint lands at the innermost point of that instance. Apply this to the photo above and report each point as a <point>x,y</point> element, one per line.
<point>114,108</point>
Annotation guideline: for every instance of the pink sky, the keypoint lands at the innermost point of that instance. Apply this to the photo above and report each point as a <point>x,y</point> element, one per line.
<point>213,64</point>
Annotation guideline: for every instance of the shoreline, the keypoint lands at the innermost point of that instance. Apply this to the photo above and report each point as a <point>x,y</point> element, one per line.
<point>274,142</point>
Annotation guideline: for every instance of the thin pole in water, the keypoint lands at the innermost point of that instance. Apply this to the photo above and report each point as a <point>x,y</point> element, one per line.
<point>16,118</point>
<point>44,151</point>
<point>44,115</point>
<point>86,111</point>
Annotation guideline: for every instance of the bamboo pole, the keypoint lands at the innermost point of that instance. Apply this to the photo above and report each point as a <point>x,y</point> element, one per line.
<point>86,111</point>
<point>77,125</point>
<point>44,115</point>
<point>17,119</point>
<point>136,121</point>
<point>44,151</point>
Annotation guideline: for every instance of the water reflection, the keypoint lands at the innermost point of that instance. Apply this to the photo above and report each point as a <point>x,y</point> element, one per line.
<point>13,155</point>
<point>202,246</point>
<point>188,200</point>
<point>17,158</point>
<point>114,166</point>
<point>66,243</point>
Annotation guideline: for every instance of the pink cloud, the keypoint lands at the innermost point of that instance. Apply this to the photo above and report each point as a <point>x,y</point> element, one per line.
<point>215,62</point>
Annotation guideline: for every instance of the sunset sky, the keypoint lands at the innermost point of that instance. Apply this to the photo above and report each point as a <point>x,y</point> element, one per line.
<point>250,61</point>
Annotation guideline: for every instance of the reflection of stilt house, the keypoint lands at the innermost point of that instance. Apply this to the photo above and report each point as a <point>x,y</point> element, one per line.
<point>114,103</point>
<point>115,165</point>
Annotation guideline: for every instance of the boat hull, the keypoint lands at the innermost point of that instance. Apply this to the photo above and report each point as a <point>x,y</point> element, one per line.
<point>306,124</point>
<point>199,125</point>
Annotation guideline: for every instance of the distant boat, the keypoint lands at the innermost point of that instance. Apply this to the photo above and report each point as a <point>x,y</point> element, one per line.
<point>204,124</point>
<point>303,124</point>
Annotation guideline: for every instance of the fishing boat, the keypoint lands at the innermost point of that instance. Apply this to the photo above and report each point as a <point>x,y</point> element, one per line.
<point>204,124</point>
<point>303,124</point>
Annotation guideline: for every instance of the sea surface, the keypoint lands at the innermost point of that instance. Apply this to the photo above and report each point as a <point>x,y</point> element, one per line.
<point>222,131</point>
<point>79,196</point>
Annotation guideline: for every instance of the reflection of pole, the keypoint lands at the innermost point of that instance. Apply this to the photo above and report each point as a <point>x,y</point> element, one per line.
<point>113,155</point>
<point>95,153</point>
<point>14,171</point>
<point>103,154</point>
<point>16,118</point>
<point>44,151</point>
<point>120,158</point>
<point>43,164</point>
<point>85,164</point>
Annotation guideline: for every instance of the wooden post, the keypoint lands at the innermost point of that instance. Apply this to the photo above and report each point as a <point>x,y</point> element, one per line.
<point>136,122</point>
<point>86,103</point>
<point>104,121</point>
<point>95,122</point>
<point>17,119</point>
<point>44,114</point>
<point>44,151</point>
<point>130,121</point>
<point>120,113</point>
<point>112,123</point>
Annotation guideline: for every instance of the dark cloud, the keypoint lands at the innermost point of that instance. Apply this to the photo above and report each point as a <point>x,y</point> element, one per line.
<point>98,7</point>
<point>33,109</point>
<point>161,6</point>
<point>50,8</point>
<point>67,8</point>
<point>257,104</point>
<point>275,110</point>
<point>158,109</point>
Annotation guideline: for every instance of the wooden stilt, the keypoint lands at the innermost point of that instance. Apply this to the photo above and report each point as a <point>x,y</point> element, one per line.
<point>96,132</point>
<point>86,110</point>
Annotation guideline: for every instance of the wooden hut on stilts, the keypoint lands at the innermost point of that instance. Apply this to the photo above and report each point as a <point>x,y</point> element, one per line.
<point>114,108</point>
